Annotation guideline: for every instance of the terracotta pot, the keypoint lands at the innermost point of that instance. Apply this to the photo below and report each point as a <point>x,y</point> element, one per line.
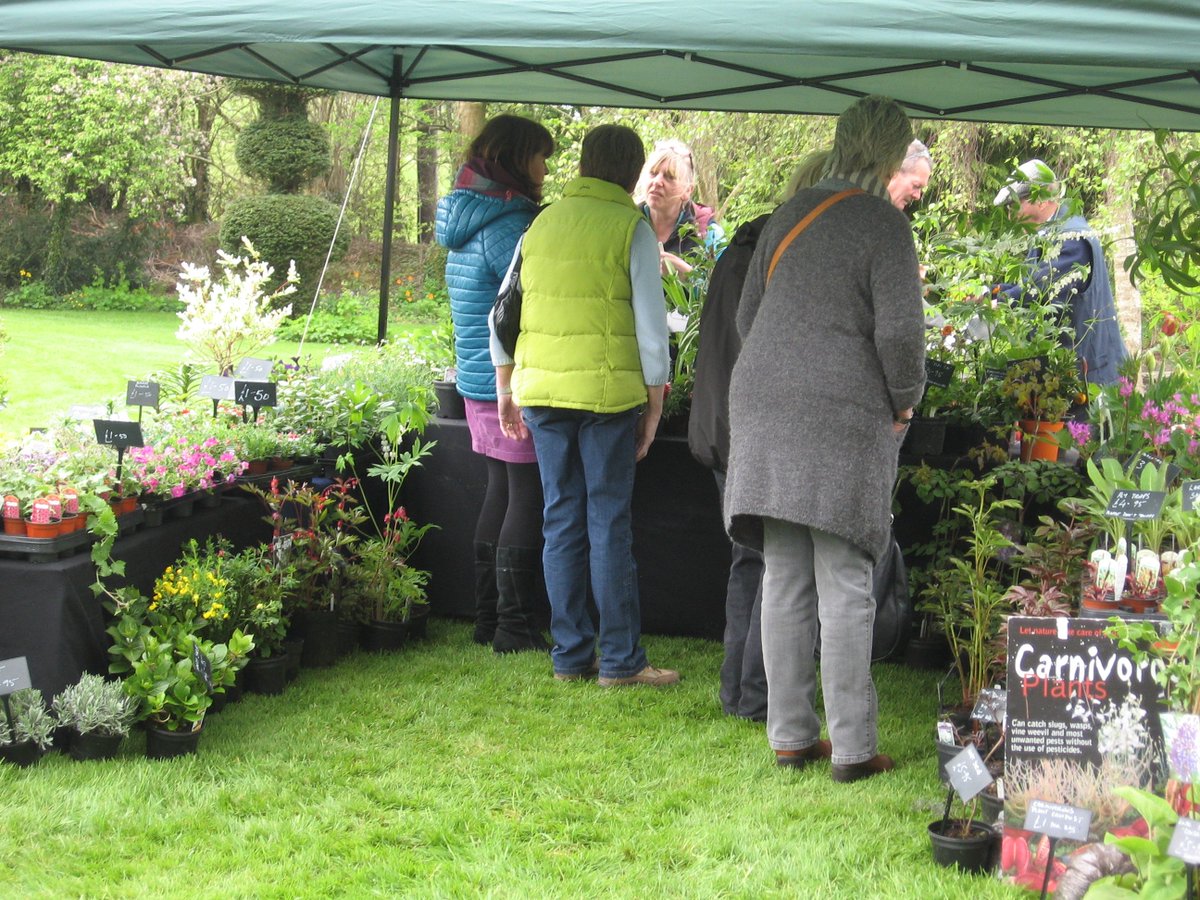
<point>41,529</point>
<point>257,467</point>
<point>127,505</point>
<point>278,463</point>
<point>14,527</point>
<point>1039,440</point>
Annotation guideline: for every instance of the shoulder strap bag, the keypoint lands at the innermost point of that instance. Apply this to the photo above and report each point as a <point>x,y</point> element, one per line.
<point>804,223</point>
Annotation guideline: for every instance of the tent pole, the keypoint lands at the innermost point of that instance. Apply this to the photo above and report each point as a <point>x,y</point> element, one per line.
<point>389,202</point>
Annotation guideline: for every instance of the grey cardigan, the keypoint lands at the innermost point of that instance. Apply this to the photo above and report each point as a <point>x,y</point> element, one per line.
<point>832,349</point>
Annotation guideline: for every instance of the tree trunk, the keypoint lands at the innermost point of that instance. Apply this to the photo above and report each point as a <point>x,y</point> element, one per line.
<point>196,197</point>
<point>427,180</point>
<point>471,116</point>
<point>58,268</point>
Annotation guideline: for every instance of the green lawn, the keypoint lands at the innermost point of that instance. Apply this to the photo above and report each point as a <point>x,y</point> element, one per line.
<point>54,360</point>
<point>448,771</point>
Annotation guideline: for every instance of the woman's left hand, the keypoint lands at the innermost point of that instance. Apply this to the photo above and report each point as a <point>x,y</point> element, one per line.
<point>674,262</point>
<point>511,422</point>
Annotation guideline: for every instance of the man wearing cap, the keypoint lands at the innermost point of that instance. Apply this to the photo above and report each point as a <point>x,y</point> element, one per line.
<point>1035,195</point>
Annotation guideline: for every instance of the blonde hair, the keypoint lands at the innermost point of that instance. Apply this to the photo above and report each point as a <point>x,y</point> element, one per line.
<point>807,173</point>
<point>872,136</point>
<point>670,156</point>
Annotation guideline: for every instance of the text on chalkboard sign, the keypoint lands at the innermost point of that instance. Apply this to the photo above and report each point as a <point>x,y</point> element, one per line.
<point>1191,493</point>
<point>1185,842</point>
<point>939,372</point>
<point>254,393</point>
<point>1057,820</point>
<point>216,387</point>
<point>967,773</point>
<point>114,433</point>
<point>1135,506</point>
<point>141,393</point>
<point>252,369</point>
<point>14,675</point>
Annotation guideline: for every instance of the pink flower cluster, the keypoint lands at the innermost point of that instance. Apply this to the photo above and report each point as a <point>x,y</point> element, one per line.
<point>179,466</point>
<point>1160,421</point>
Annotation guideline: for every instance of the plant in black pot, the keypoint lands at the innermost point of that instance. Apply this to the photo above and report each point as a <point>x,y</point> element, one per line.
<point>98,713</point>
<point>27,730</point>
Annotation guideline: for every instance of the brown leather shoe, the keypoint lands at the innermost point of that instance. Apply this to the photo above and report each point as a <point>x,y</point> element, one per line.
<point>592,671</point>
<point>798,759</point>
<point>865,769</point>
<point>648,675</point>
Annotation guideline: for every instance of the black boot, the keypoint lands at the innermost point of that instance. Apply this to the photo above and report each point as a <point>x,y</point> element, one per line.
<point>521,601</point>
<point>486,593</point>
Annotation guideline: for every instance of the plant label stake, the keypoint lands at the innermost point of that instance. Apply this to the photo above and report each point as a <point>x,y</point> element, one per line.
<point>968,776</point>
<point>122,435</point>
<point>1135,506</point>
<point>1185,845</point>
<point>1056,820</point>
<point>255,394</point>
<point>141,394</point>
<point>1191,493</point>
<point>14,675</point>
<point>201,666</point>
<point>217,387</point>
<point>252,369</point>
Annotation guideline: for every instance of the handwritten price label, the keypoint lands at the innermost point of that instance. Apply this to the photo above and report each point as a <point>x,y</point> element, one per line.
<point>14,675</point>
<point>1191,493</point>
<point>216,387</point>
<point>112,433</point>
<point>254,393</point>
<point>1057,820</point>
<point>1185,842</point>
<point>967,773</point>
<point>252,369</point>
<point>141,393</point>
<point>1135,506</point>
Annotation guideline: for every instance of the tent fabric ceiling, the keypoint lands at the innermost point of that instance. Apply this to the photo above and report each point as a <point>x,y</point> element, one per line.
<point>1106,63</point>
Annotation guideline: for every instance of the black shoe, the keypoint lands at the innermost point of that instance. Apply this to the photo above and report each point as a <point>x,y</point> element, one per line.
<point>517,611</point>
<point>486,593</point>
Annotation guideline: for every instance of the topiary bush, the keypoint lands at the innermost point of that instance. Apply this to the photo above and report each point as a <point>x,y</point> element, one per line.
<point>285,227</point>
<point>285,153</point>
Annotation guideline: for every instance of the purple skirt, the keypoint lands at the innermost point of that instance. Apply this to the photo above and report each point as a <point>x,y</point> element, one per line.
<point>486,437</point>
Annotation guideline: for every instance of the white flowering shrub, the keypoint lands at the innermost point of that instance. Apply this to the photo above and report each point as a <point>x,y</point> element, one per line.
<point>231,317</point>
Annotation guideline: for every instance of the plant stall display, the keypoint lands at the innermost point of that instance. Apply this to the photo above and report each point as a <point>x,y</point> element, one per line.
<point>98,713</point>
<point>29,732</point>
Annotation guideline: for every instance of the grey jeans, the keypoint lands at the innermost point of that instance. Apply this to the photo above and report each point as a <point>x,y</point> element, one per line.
<point>811,573</point>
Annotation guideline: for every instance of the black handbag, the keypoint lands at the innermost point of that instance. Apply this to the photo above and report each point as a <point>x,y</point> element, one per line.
<point>506,311</point>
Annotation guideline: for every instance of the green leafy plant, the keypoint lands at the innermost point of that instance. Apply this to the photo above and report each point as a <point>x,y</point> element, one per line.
<point>31,721</point>
<point>95,705</point>
<point>1158,874</point>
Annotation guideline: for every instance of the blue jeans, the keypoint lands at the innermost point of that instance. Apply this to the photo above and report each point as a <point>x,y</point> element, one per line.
<point>587,462</point>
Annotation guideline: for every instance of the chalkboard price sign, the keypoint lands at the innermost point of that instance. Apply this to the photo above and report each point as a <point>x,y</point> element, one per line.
<point>1185,842</point>
<point>201,666</point>
<point>141,393</point>
<point>1135,506</point>
<point>938,373</point>
<point>1057,820</point>
<point>251,369</point>
<point>993,374</point>
<point>112,433</point>
<point>216,387</point>
<point>1191,493</point>
<point>14,675</point>
<point>967,773</point>
<point>254,393</point>
<point>1144,459</point>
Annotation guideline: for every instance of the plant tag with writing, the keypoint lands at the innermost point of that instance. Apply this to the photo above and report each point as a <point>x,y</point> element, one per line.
<point>1057,820</point>
<point>1191,493</point>
<point>939,373</point>
<point>141,393</point>
<point>252,369</point>
<point>114,433</point>
<point>14,675</point>
<point>1135,506</point>
<point>216,387</point>
<point>967,773</point>
<point>1185,842</point>
<point>202,667</point>
<point>282,549</point>
<point>945,732</point>
<point>254,393</point>
<point>1144,459</point>
<point>990,705</point>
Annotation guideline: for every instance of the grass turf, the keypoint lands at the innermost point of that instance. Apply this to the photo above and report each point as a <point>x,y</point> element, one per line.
<point>448,771</point>
<point>54,360</point>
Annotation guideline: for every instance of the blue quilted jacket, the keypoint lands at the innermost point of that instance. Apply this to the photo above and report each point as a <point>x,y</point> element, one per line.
<point>481,233</point>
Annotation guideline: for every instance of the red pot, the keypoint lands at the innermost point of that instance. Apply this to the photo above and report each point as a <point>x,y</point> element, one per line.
<point>14,527</point>
<point>41,529</point>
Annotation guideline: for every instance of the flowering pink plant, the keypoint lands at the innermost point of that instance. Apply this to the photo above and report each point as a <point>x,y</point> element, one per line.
<point>179,465</point>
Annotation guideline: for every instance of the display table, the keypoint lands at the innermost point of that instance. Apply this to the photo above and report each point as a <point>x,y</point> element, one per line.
<point>679,542</point>
<point>49,615</point>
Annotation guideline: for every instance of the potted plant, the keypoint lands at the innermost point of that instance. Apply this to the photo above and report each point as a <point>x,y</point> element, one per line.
<point>98,713</point>
<point>1040,391</point>
<point>971,593</point>
<point>30,731</point>
<point>382,576</point>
